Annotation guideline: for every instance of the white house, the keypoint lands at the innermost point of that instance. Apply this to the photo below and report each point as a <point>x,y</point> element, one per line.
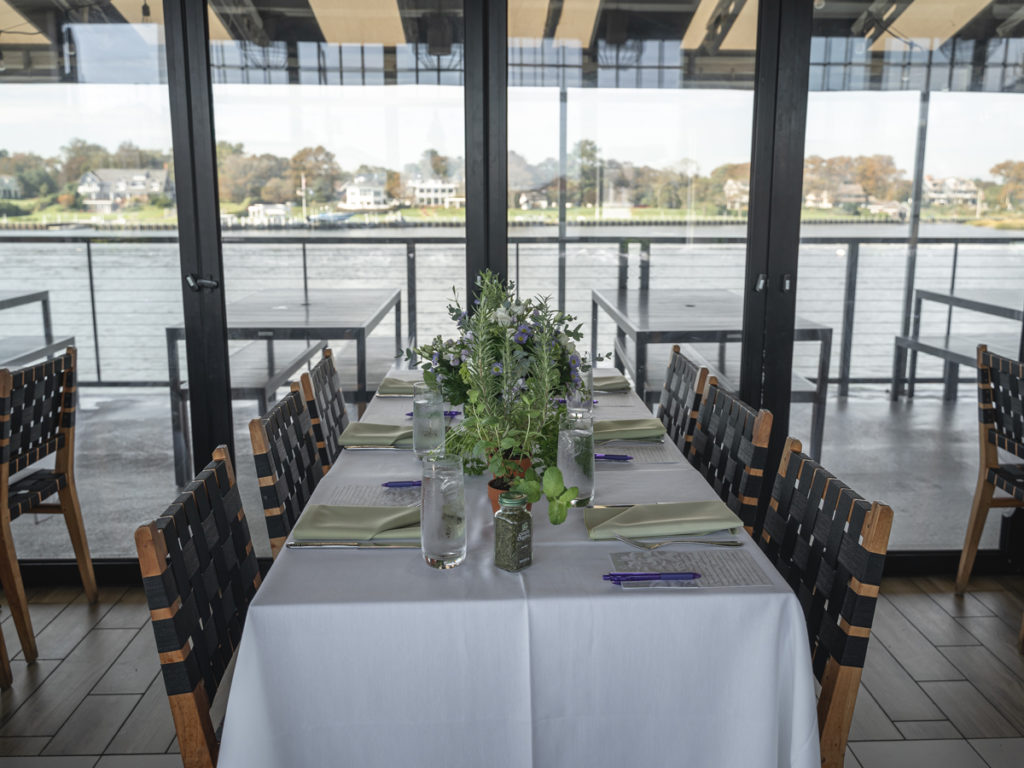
<point>950,191</point>
<point>107,189</point>
<point>365,196</point>
<point>818,200</point>
<point>435,192</point>
<point>268,214</point>
<point>10,188</point>
<point>737,195</point>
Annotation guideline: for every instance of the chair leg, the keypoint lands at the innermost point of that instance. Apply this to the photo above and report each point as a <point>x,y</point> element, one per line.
<point>6,678</point>
<point>76,530</point>
<point>14,590</point>
<point>979,511</point>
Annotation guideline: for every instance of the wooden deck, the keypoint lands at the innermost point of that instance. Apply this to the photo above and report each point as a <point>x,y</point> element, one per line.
<point>943,685</point>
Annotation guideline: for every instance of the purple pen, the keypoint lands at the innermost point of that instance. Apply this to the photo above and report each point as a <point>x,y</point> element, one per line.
<point>619,578</point>
<point>612,457</point>
<point>449,414</point>
<point>402,484</point>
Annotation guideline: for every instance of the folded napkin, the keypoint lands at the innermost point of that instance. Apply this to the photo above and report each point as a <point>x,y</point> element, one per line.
<point>366,433</point>
<point>610,382</point>
<point>628,429</point>
<point>325,523</point>
<point>670,519</point>
<point>394,386</point>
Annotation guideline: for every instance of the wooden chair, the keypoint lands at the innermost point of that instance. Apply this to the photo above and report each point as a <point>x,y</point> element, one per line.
<point>200,574</point>
<point>829,544</point>
<point>679,406</point>
<point>1000,425</point>
<point>37,418</point>
<point>730,448</point>
<point>6,677</point>
<point>326,404</point>
<point>287,464</point>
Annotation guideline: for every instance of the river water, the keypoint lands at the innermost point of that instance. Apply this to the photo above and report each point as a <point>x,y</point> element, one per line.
<point>137,294</point>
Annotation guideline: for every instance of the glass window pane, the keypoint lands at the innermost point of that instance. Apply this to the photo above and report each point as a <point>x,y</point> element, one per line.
<point>934,101</point>
<point>89,252</point>
<point>638,154</point>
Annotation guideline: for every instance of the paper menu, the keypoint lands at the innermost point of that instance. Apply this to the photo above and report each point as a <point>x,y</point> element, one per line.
<point>345,495</point>
<point>717,568</point>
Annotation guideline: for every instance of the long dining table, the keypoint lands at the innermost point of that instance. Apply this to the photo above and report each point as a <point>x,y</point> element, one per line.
<point>371,658</point>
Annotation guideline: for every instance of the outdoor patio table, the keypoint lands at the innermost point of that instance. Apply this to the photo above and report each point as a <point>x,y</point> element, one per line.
<point>273,315</point>
<point>18,350</point>
<point>371,658</point>
<point>700,316</point>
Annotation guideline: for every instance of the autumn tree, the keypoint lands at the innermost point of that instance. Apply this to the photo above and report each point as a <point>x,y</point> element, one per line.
<point>79,156</point>
<point>1011,175</point>
<point>322,172</point>
<point>36,175</point>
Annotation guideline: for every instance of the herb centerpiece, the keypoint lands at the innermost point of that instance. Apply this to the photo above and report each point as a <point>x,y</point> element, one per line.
<point>510,366</point>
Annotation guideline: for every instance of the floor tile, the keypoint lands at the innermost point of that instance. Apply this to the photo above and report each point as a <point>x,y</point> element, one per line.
<point>1000,753</point>
<point>908,646</point>
<point>51,762</point>
<point>940,589</point>
<point>869,721</point>
<point>990,676</point>
<point>12,746</point>
<point>139,761</point>
<point>849,761</point>
<point>969,711</point>
<point>92,726</point>
<point>896,693</point>
<point>916,754</point>
<point>928,729</point>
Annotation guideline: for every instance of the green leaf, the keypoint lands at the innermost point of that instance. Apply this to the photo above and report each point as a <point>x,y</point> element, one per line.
<point>553,483</point>
<point>557,511</point>
<point>508,442</point>
<point>430,379</point>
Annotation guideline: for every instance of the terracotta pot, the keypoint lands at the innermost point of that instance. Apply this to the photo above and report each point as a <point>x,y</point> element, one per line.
<point>493,492</point>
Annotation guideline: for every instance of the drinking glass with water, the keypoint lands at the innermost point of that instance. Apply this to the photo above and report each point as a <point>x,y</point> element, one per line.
<point>576,455</point>
<point>443,511</point>
<point>427,420</point>
<point>580,400</point>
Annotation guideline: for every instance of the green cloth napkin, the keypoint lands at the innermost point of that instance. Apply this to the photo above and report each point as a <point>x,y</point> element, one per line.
<point>669,519</point>
<point>366,433</point>
<point>610,382</point>
<point>393,386</point>
<point>324,523</point>
<point>628,429</point>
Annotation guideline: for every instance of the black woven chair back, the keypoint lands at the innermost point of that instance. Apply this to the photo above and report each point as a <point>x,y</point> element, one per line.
<point>287,464</point>
<point>39,406</point>
<point>200,574</point>
<point>813,533</point>
<point>680,398</point>
<point>326,403</point>
<point>730,448</point>
<point>829,544</point>
<point>1001,401</point>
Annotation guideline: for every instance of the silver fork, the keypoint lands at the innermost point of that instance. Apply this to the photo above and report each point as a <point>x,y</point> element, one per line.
<point>651,545</point>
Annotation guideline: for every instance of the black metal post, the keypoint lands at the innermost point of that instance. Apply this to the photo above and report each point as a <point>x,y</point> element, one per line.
<point>486,113</point>
<point>92,307</point>
<point>563,169</point>
<point>849,305</point>
<point>195,176</point>
<point>410,289</point>
<point>773,226</point>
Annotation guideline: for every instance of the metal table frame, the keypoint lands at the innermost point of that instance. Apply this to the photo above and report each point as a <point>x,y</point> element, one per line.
<point>805,330</point>
<point>270,333</point>
<point>12,299</point>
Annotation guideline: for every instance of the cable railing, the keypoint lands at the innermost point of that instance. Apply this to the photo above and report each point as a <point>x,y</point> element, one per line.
<point>636,253</point>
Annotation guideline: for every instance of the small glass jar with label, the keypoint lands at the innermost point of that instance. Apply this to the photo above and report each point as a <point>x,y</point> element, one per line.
<point>513,532</point>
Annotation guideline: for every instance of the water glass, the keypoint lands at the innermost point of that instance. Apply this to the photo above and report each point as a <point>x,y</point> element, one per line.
<point>443,511</point>
<point>576,455</point>
<point>427,420</point>
<point>580,401</point>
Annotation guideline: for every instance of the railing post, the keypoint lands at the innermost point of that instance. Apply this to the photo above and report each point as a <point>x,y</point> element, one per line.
<point>623,264</point>
<point>849,303</point>
<point>645,266</point>
<point>410,288</point>
<point>92,306</point>
<point>305,276</point>
<point>952,289</point>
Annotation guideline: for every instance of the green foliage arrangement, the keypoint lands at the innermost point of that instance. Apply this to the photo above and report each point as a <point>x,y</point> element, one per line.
<point>509,367</point>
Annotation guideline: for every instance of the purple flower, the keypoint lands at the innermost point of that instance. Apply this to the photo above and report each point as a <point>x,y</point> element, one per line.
<point>496,369</point>
<point>434,359</point>
<point>523,334</point>
<point>574,361</point>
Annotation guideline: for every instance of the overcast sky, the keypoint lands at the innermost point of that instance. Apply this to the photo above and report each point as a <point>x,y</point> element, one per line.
<point>968,133</point>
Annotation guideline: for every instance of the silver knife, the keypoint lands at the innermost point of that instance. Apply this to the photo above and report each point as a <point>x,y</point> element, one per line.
<point>352,545</point>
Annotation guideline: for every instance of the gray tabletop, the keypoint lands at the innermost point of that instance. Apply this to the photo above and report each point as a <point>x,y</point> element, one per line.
<point>1001,302</point>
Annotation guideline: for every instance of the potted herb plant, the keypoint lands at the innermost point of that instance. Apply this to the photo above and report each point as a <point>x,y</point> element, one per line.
<point>509,368</point>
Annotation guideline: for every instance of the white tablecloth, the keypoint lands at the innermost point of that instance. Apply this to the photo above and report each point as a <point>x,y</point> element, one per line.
<point>371,658</point>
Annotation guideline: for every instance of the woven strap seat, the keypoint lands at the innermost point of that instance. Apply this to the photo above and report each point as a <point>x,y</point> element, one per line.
<point>287,464</point>
<point>829,545</point>
<point>200,573</point>
<point>681,397</point>
<point>730,448</point>
<point>325,402</point>
<point>33,489</point>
